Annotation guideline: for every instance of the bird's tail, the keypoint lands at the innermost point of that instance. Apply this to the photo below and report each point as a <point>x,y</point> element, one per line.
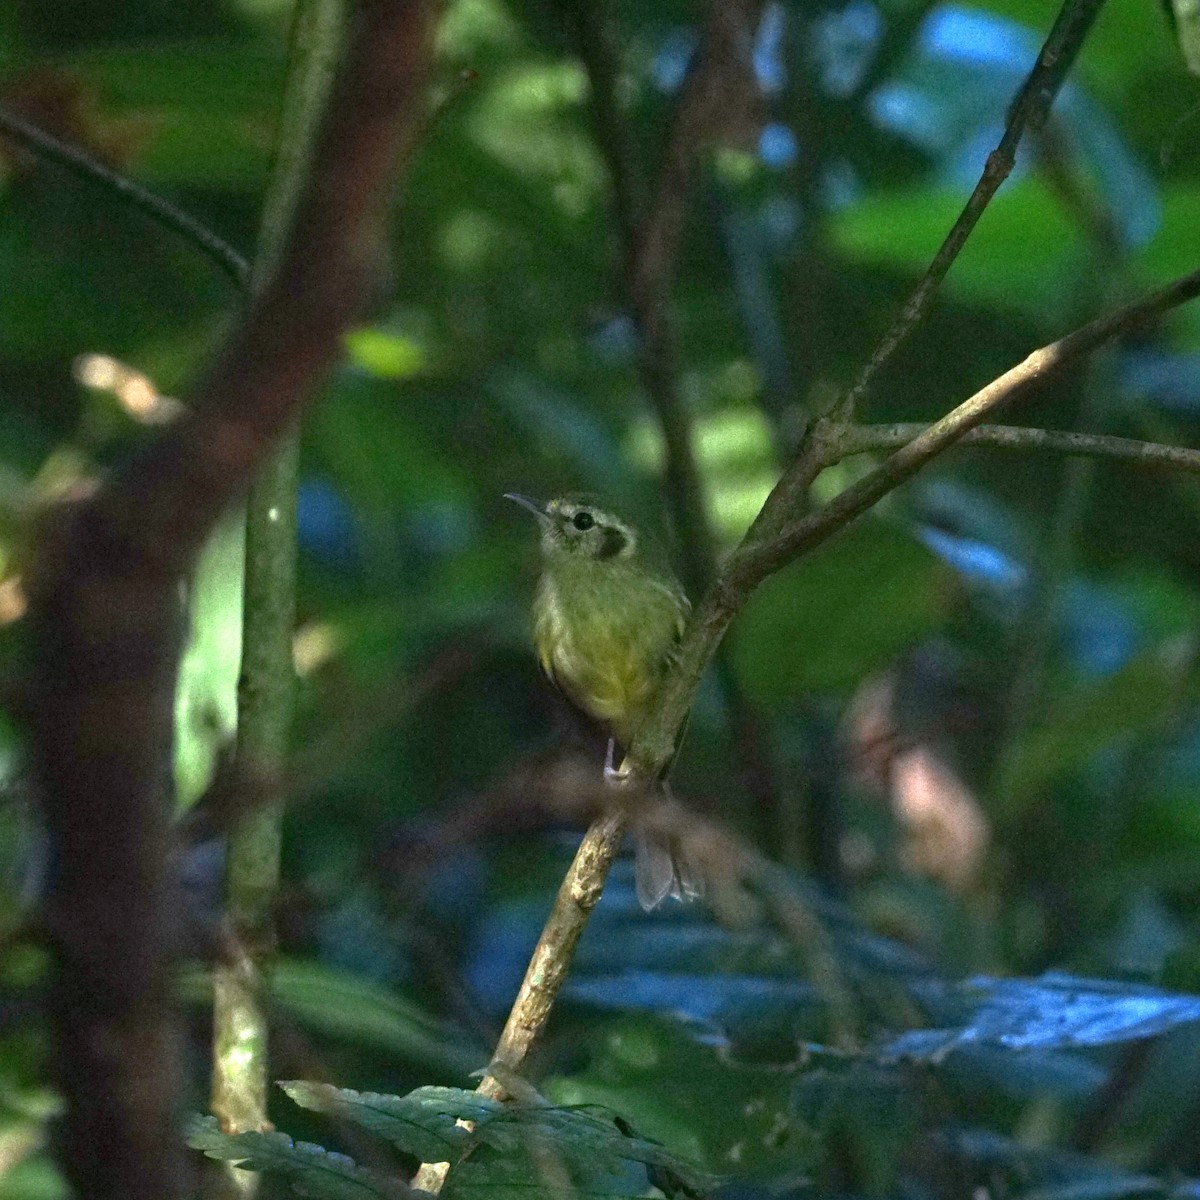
<point>660,871</point>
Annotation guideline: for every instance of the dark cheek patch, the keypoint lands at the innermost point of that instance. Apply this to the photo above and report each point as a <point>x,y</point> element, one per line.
<point>612,542</point>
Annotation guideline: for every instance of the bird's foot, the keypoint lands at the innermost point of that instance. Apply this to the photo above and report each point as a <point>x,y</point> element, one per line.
<point>614,776</point>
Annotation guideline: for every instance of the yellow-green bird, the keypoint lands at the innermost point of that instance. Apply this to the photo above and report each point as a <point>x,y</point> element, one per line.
<point>605,626</point>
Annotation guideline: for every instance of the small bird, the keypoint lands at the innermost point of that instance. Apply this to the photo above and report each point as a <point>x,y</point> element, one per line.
<point>605,626</point>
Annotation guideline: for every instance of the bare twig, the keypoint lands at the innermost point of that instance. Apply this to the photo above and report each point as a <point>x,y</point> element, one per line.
<point>862,439</point>
<point>550,963</point>
<point>759,556</point>
<point>240,1021</point>
<point>166,214</point>
<point>107,626</point>
<point>1028,112</point>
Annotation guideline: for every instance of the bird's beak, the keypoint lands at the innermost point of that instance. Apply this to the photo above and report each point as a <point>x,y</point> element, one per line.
<point>525,502</point>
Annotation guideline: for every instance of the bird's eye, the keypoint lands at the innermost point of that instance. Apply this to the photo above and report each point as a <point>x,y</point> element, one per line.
<point>583,520</point>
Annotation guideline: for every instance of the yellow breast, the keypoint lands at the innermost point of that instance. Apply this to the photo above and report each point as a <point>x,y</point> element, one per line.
<point>604,653</point>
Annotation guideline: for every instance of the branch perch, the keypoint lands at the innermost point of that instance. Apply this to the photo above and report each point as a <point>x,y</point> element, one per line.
<point>265,688</point>
<point>759,556</point>
<point>862,439</point>
<point>106,622</point>
<point>83,166</point>
<point>650,239</point>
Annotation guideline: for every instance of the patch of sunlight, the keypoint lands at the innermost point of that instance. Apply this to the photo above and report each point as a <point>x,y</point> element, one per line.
<point>733,166</point>
<point>732,439</point>
<point>469,26</point>
<point>644,445</point>
<point>733,504</point>
<point>385,355</point>
<point>466,240</point>
<point>526,123</point>
<point>534,89</point>
<point>733,450</point>
<point>840,476</point>
<point>315,644</point>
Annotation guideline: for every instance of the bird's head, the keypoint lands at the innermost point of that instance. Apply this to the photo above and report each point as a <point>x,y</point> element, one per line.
<point>572,526</point>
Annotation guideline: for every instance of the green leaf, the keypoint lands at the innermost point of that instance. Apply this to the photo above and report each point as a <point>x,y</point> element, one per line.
<point>206,693</point>
<point>384,355</point>
<point>840,615</point>
<point>423,1123</point>
<point>1088,717</point>
<point>310,1170</point>
<point>639,1070</point>
<point>590,1132</point>
<point>1025,253</point>
<point>342,1006</point>
<point>507,1140</point>
<point>209,106</point>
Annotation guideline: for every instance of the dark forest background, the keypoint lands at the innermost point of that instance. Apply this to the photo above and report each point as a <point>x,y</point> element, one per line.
<point>965,733</point>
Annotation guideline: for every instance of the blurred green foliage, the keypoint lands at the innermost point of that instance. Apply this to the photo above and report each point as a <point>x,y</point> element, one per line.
<point>975,711</point>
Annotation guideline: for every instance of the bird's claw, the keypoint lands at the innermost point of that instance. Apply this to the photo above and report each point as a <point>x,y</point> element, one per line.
<point>614,776</point>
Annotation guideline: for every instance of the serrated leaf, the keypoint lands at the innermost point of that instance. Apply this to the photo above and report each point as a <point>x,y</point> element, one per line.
<point>417,1123</point>
<point>638,1070</point>
<point>309,1169</point>
<point>526,1179</point>
<point>591,1131</point>
<point>507,1140</point>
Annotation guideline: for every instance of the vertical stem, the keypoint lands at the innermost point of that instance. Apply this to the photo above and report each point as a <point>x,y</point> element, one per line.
<point>265,686</point>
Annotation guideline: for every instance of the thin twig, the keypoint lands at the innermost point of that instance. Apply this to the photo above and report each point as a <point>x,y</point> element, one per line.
<point>240,1020</point>
<point>82,165</point>
<point>652,239</point>
<point>1029,111</point>
<point>760,556</point>
<point>107,624</point>
<point>578,895</point>
<point>863,439</point>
